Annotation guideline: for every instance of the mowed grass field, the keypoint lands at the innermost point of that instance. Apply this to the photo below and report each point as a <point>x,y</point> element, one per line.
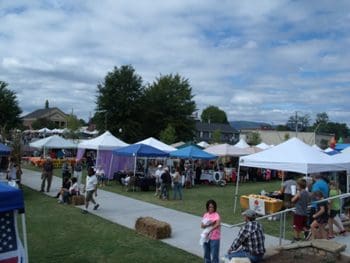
<point>61,233</point>
<point>194,200</point>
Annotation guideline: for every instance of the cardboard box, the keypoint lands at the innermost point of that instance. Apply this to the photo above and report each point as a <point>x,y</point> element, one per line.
<point>272,205</point>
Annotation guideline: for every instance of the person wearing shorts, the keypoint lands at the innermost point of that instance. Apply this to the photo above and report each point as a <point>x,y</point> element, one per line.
<point>320,217</point>
<point>301,201</point>
<point>334,211</point>
<point>91,189</point>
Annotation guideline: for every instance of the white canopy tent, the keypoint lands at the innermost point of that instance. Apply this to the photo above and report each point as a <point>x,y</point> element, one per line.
<point>226,150</point>
<point>344,157</point>
<point>53,142</point>
<point>203,144</point>
<point>242,144</point>
<point>157,144</point>
<point>45,130</point>
<point>317,147</point>
<point>292,155</point>
<point>263,146</point>
<point>103,144</point>
<point>105,141</point>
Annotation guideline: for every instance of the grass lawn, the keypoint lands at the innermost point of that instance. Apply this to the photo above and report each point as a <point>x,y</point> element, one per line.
<point>61,233</point>
<point>194,200</point>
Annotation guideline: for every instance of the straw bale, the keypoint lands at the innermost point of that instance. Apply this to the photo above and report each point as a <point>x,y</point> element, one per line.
<point>152,228</point>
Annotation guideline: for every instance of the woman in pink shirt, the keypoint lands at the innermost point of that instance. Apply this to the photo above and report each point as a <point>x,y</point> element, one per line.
<point>211,219</point>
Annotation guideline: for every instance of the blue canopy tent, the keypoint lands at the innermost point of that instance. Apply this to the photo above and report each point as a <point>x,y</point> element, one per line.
<point>12,203</point>
<point>192,152</point>
<point>4,150</point>
<point>139,150</point>
<point>341,146</point>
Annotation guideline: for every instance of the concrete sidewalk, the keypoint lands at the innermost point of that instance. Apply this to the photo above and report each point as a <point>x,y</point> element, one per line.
<point>185,227</point>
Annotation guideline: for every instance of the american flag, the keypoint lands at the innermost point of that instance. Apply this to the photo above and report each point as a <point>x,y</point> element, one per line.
<point>11,249</point>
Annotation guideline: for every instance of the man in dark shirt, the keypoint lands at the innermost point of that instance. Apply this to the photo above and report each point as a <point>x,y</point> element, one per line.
<point>250,240</point>
<point>166,184</point>
<point>47,174</point>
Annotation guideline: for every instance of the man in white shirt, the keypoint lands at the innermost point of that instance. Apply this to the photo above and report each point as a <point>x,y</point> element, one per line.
<point>157,175</point>
<point>90,188</point>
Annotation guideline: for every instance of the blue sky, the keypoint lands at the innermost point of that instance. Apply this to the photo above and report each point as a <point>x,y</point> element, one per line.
<point>256,60</point>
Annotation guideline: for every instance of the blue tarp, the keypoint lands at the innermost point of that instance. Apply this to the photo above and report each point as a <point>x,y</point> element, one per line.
<point>4,150</point>
<point>11,198</point>
<point>192,152</point>
<point>140,150</point>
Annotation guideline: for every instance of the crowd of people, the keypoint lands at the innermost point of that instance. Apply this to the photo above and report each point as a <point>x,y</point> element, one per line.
<point>72,182</point>
<point>313,214</point>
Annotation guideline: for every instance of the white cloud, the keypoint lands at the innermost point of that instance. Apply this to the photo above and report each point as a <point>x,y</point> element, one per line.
<point>257,60</point>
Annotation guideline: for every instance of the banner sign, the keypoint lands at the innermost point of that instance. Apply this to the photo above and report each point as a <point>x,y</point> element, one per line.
<point>258,205</point>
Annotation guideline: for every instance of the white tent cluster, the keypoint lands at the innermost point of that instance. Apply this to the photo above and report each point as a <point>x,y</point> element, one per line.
<point>295,156</point>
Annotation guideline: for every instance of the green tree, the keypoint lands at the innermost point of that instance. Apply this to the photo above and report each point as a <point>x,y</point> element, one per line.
<point>338,129</point>
<point>213,114</point>
<point>254,138</point>
<point>321,118</point>
<point>168,135</point>
<point>286,136</point>
<point>216,136</point>
<point>119,103</point>
<point>281,127</point>
<point>73,126</point>
<point>47,104</point>
<point>168,101</point>
<point>298,122</point>
<point>324,125</point>
<point>9,110</point>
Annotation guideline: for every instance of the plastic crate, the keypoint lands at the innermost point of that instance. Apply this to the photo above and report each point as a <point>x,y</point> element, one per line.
<point>272,205</point>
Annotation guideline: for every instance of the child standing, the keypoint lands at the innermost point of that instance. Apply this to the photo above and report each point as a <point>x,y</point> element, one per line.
<point>334,210</point>
<point>301,201</point>
<point>320,218</point>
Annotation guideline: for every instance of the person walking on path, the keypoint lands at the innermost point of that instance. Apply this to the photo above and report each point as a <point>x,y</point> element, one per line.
<point>301,201</point>
<point>211,219</point>
<point>250,240</point>
<point>177,184</point>
<point>320,217</point>
<point>90,190</point>
<point>46,175</point>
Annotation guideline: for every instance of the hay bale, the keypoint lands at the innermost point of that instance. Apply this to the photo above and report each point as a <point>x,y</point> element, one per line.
<point>78,200</point>
<point>152,228</point>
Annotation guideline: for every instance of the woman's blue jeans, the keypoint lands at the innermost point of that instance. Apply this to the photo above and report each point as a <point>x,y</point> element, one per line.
<point>177,190</point>
<point>211,251</point>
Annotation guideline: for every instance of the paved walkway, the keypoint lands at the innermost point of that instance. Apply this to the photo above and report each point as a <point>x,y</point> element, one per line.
<point>185,227</point>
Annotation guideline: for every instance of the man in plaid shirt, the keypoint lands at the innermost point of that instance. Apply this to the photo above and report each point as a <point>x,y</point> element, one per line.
<point>250,240</point>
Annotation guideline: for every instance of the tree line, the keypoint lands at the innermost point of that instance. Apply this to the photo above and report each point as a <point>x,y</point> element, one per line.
<point>133,110</point>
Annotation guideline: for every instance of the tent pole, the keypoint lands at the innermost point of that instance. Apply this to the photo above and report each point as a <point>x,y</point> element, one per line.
<point>24,229</point>
<point>135,164</point>
<point>110,167</point>
<point>236,191</point>
<point>97,158</point>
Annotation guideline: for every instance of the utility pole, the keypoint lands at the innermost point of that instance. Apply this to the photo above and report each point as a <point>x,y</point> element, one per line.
<point>296,124</point>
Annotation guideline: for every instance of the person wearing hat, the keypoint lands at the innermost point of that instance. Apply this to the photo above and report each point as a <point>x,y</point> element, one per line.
<point>250,240</point>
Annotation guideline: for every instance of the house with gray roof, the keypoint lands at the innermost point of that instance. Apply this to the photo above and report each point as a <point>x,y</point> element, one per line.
<point>52,114</point>
<point>204,132</point>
